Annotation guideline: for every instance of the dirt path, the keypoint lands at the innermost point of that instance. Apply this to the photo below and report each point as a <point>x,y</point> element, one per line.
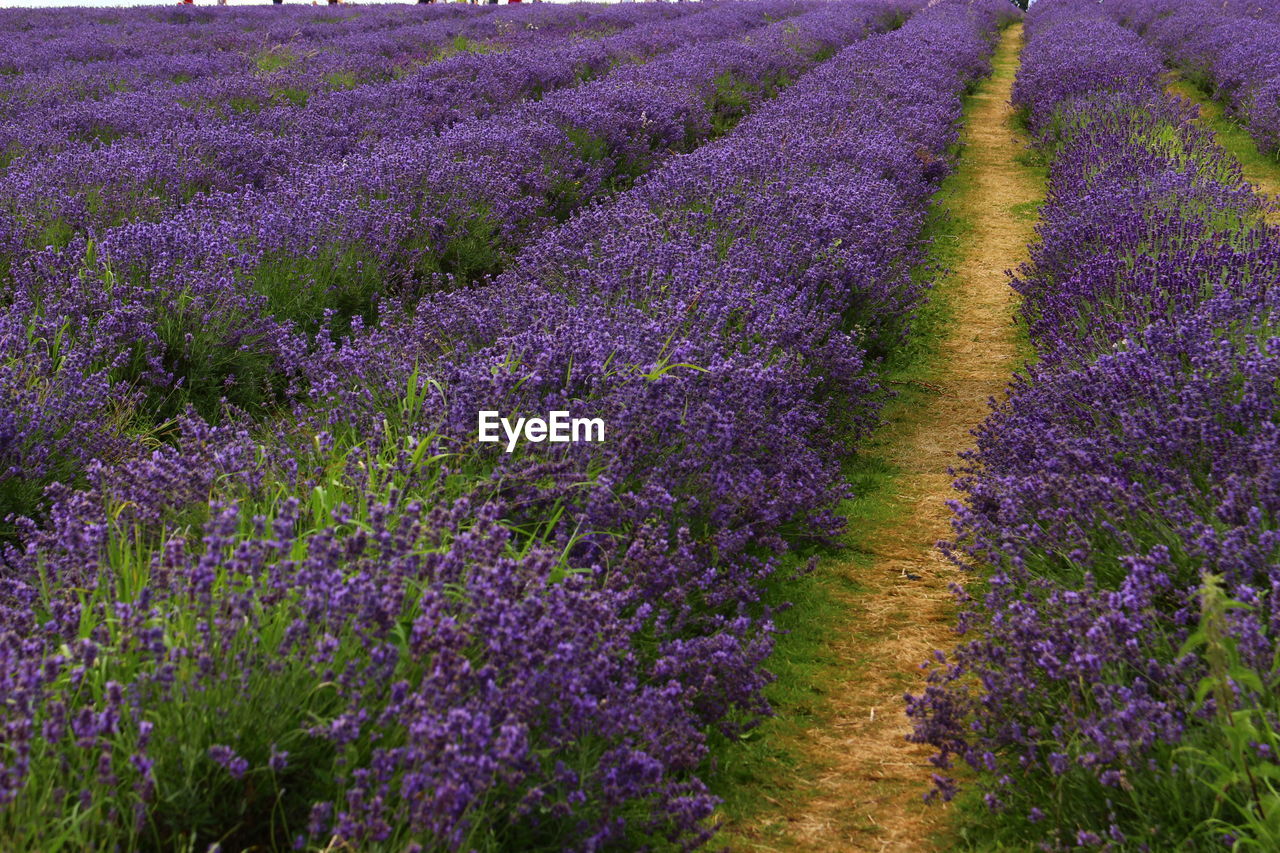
<point>854,782</point>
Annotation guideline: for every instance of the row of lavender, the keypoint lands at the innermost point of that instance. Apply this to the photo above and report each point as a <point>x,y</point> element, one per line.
<point>134,46</point>
<point>1231,49</point>
<point>85,191</point>
<point>60,61</point>
<point>228,297</point>
<point>1118,685</point>
<point>361,623</point>
<point>135,154</point>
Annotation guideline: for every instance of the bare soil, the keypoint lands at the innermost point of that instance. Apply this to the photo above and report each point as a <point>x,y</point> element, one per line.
<point>857,784</point>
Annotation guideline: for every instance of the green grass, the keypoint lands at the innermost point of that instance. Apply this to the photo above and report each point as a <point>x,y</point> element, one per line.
<point>257,691</point>
<point>751,773</point>
<point>291,94</point>
<point>339,80</point>
<point>1232,135</point>
<point>461,44</point>
<point>747,769</point>
<point>1036,165</point>
<point>274,59</point>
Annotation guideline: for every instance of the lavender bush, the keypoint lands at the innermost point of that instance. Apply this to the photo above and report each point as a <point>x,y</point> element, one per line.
<point>138,153</point>
<point>1119,505</point>
<point>1230,49</point>
<point>344,621</point>
<point>224,299</point>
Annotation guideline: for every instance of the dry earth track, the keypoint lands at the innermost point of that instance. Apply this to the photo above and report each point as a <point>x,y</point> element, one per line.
<point>859,783</point>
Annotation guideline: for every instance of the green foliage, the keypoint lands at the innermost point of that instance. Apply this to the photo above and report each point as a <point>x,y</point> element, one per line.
<point>275,58</point>
<point>255,710</point>
<point>895,19</point>
<point>1228,130</point>
<point>9,153</point>
<point>195,337</point>
<point>729,102</point>
<point>292,95</point>
<point>254,691</point>
<point>103,134</point>
<point>471,246</point>
<point>338,80</point>
<point>245,104</point>
<point>1239,762</point>
<point>58,233</point>
<point>567,194</point>
<point>461,44</point>
<point>1218,789</point>
<point>19,496</point>
<point>302,288</point>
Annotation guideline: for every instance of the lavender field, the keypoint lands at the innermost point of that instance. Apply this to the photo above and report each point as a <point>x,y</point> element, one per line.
<point>293,555</point>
